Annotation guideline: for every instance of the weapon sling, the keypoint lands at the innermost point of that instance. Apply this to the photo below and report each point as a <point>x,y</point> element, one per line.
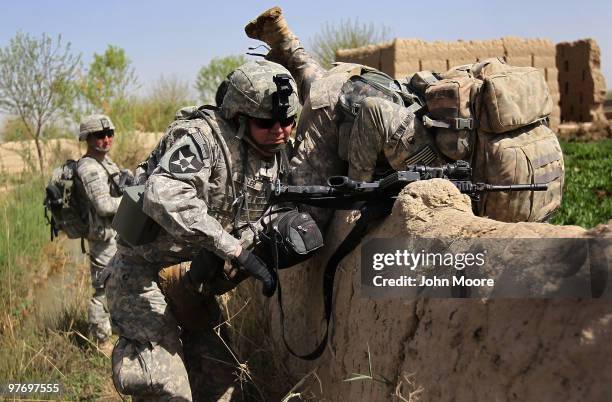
<point>111,177</point>
<point>369,213</point>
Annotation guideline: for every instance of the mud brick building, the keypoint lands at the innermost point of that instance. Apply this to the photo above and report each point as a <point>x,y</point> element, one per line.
<point>582,86</point>
<point>583,79</point>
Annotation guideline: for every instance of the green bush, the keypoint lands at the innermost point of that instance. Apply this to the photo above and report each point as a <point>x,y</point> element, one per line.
<point>587,197</point>
<point>22,231</point>
<point>43,301</point>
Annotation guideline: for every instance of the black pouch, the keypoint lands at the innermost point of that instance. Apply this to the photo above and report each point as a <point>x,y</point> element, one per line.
<point>290,238</point>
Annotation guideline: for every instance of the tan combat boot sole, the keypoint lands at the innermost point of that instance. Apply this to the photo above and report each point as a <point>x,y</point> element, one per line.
<point>269,27</point>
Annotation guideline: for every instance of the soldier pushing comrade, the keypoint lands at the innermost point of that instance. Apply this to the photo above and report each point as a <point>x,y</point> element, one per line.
<point>207,187</point>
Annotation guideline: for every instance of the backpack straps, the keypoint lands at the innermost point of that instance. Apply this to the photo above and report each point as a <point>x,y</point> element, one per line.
<point>110,176</point>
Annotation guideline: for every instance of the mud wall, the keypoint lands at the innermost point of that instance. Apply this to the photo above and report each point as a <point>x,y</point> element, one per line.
<point>19,156</point>
<point>402,57</point>
<point>436,349</point>
<point>583,88</point>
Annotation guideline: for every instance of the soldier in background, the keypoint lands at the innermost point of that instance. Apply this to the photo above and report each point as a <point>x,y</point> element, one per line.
<point>100,177</point>
<point>207,186</point>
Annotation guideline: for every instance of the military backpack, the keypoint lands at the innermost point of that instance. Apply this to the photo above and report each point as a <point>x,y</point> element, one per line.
<point>496,115</point>
<point>66,205</point>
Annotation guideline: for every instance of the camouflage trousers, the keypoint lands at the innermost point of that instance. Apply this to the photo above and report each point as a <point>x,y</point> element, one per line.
<point>383,127</point>
<point>155,359</point>
<point>98,318</point>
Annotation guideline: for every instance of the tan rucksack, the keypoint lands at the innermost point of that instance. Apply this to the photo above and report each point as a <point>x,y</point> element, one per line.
<point>495,115</point>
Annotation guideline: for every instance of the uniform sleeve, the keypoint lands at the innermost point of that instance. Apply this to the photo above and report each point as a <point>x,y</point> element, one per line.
<point>175,198</point>
<point>97,188</point>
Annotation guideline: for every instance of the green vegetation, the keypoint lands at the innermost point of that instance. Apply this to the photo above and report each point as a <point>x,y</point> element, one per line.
<point>155,111</point>
<point>587,194</point>
<point>36,84</point>
<point>211,75</point>
<point>51,107</point>
<point>107,86</point>
<point>346,35</point>
<point>44,296</point>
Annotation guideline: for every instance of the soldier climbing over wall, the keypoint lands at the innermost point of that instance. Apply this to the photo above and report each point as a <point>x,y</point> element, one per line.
<point>327,137</point>
<point>357,114</point>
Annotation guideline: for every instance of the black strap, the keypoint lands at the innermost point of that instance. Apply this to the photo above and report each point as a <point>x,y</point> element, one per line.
<point>110,176</point>
<point>83,250</point>
<point>369,213</point>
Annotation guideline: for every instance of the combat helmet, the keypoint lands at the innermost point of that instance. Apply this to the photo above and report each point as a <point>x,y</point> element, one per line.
<point>94,123</point>
<point>260,89</point>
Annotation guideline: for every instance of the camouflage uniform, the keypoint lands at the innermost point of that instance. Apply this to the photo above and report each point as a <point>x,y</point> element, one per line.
<point>100,181</point>
<point>323,146</point>
<point>188,193</point>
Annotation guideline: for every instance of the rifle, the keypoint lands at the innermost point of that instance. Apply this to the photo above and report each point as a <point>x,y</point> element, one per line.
<point>375,199</point>
<point>342,192</point>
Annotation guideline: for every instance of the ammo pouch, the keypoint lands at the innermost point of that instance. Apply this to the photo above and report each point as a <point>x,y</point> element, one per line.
<point>448,97</point>
<point>450,114</point>
<point>289,239</point>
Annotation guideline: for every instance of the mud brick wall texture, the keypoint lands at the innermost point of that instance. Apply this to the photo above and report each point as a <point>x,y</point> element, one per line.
<point>583,88</point>
<point>402,57</point>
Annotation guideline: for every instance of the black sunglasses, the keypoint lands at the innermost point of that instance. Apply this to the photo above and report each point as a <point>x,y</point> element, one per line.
<point>269,123</point>
<point>106,133</point>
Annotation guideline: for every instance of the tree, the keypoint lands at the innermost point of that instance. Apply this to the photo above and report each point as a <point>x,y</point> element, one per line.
<point>210,76</point>
<point>108,84</point>
<point>347,35</point>
<point>168,94</point>
<point>36,83</point>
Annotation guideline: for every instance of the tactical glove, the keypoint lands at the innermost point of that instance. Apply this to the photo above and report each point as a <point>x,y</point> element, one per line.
<point>258,269</point>
<point>204,267</point>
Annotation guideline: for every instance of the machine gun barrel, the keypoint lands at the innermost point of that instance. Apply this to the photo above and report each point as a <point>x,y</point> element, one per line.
<point>517,187</point>
<point>342,192</point>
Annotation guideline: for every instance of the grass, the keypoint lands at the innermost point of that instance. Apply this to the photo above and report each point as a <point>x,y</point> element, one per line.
<point>44,298</point>
<point>266,376</point>
<point>587,194</point>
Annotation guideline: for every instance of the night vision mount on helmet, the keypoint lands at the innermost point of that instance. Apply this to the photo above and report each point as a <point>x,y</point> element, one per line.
<point>260,89</point>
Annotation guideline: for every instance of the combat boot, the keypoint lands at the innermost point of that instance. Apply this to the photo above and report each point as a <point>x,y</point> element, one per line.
<point>270,27</point>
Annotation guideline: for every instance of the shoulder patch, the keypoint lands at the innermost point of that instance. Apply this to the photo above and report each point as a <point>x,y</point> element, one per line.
<point>90,176</point>
<point>185,158</point>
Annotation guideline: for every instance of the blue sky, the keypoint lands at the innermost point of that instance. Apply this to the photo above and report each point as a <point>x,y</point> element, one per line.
<point>161,38</point>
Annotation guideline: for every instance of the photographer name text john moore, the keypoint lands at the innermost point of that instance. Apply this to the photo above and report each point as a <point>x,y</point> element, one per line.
<point>434,281</point>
